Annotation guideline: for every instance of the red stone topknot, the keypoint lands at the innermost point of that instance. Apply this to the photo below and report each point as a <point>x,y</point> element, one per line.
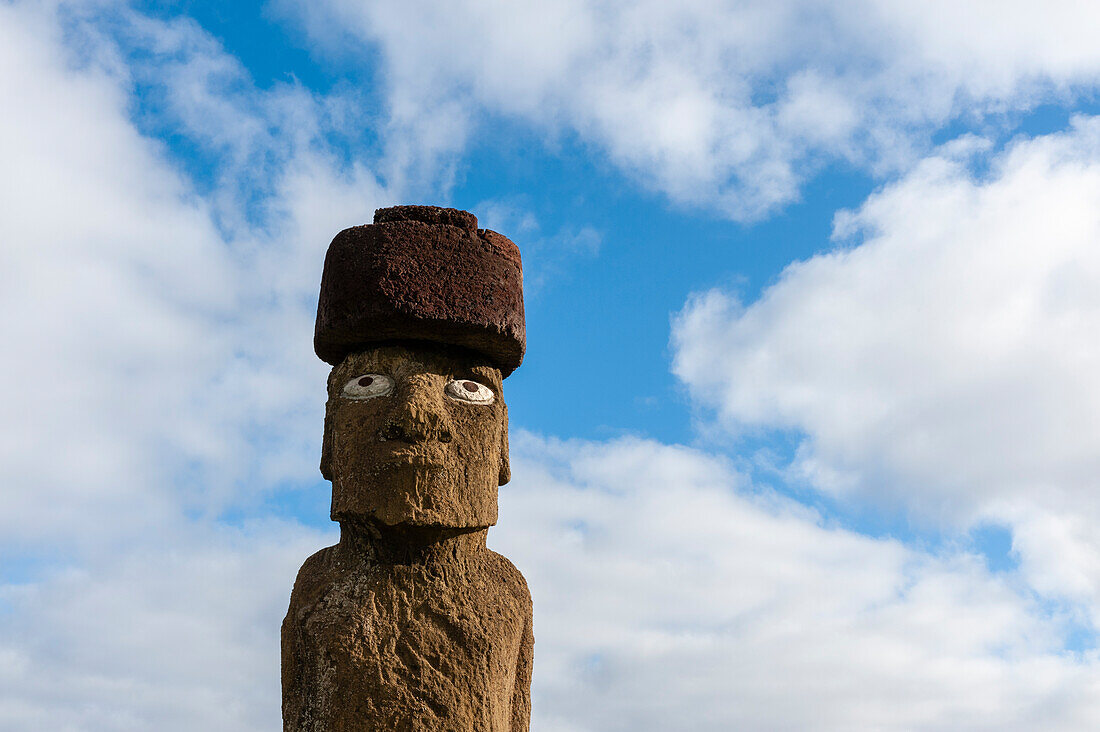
<point>422,273</point>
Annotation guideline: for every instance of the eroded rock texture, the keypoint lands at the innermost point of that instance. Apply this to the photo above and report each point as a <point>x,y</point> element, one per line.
<point>422,273</point>
<point>436,637</point>
<point>410,622</point>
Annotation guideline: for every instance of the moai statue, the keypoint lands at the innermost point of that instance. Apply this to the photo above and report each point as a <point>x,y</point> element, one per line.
<point>410,622</point>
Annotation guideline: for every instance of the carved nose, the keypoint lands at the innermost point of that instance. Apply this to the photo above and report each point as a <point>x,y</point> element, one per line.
<point>418,418</point>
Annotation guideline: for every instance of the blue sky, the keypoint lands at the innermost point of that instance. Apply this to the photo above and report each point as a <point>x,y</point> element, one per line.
<point>806,436</point>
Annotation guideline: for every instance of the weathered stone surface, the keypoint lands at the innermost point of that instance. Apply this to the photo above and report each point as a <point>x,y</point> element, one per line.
<point>410,622</point>
<point>422,273</point>
<point>417,456</point>
<point>436,638</point>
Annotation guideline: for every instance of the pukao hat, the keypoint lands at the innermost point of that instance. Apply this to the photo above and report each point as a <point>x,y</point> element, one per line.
<point>422,273</point>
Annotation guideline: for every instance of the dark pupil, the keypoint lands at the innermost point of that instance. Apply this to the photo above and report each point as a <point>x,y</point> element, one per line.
<point>469,386</point>
<point>366,381</point>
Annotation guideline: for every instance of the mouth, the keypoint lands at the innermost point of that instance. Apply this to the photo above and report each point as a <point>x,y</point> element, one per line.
<point>400,457</point>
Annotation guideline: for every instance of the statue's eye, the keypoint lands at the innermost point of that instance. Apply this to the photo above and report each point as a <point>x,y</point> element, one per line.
<point>368,386</point>
<point>465,390</point>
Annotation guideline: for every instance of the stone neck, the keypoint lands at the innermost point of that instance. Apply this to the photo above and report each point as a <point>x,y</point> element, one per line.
<point>405,544</point>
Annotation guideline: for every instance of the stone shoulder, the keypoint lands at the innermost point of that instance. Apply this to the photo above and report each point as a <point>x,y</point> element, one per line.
<point>503,569</point>
<point>316,572</point>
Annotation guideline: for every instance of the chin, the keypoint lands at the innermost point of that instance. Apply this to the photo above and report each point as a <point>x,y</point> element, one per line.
<point>416,496</point>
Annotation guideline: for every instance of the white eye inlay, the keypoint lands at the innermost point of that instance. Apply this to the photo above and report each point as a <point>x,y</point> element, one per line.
<point>465,390</point>
<point>368,386</point>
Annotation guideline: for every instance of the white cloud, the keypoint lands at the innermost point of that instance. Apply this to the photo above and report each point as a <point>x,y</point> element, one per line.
<point>148,380</point>
<point>178,633</point>
<point>723,105</point>
<point>148,384</point>
<point>948,362</point>
<point>147,356</point>
<point>669,595</point>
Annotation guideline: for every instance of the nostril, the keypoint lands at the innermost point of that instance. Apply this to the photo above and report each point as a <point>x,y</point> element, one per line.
<point>391,431</point>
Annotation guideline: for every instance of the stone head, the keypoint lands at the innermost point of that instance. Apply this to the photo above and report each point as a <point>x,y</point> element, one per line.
<point>416,434</point>
<point>421,316</point>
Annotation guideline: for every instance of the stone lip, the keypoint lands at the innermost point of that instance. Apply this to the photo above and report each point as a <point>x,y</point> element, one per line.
<point>422,273</point>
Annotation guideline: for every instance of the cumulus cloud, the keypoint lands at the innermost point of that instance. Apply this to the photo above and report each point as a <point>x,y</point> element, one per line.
<point>726,105</point>
<point>149,390</point>
<point>670,594</point>
<point>143,320</point>
<point>178,633</point>
<point>945,358</point>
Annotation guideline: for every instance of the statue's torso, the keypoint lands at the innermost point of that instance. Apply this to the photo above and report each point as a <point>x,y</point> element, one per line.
<point>438,646</point>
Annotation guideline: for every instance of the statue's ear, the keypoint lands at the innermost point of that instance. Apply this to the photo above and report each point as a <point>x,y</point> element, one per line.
<point>505,466</point>
<point>326,444</point>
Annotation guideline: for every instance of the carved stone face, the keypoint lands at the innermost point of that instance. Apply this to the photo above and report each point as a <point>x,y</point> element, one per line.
<point>415,435</point>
